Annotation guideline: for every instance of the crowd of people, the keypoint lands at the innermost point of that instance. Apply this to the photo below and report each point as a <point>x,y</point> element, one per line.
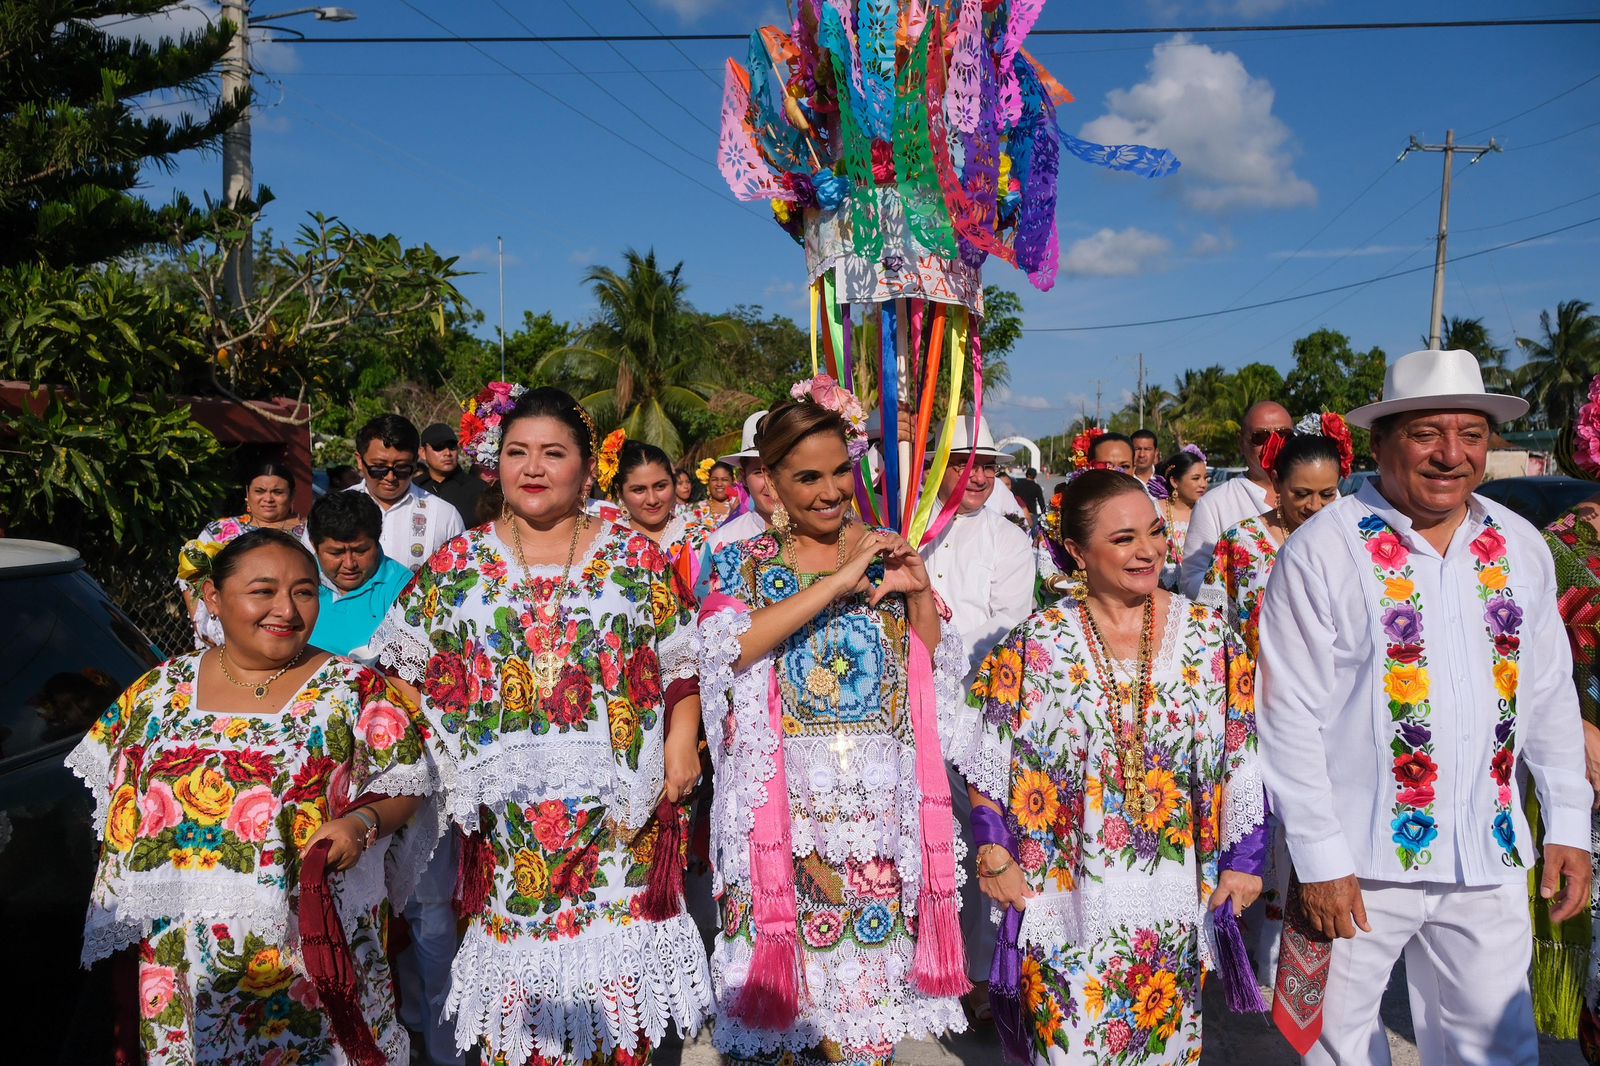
<point>630,747</point>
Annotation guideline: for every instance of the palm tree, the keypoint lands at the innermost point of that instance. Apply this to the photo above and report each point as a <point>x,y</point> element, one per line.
<point>645,363</point>
<point>1555,377</point>
<point>1471,335</point>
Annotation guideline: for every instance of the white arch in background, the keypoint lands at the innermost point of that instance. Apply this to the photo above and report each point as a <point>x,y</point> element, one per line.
<point>1032,449</point>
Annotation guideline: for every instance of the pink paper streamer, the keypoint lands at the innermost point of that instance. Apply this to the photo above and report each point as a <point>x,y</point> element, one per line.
<point>746,173</point>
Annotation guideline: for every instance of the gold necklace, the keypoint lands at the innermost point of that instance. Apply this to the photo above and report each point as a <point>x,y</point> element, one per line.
<point>822,680</point>
<point>1130,735</point>
<point>260,688</point>
<point>547,664</point>
<point>1283,521</point>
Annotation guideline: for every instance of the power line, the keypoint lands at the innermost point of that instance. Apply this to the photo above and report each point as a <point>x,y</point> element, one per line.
<point>719,194</point>
<point>1307,295</point>
<point>1557,137</point>
<point>613,97</point>
<point>1524,218</point>
<point>648,21</point>
<point>1094,31</point>
<point>1535,107</point>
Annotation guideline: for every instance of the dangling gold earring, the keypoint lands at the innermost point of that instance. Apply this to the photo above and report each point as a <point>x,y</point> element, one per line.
<point>780,521</point>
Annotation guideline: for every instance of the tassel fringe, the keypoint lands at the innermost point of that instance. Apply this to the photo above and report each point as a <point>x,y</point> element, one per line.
<point>1558,979</point>
<point>770,998</point>
<point>663,894</point>
<point>474,876</point>
<point>1233,964</point>
<point>940,966</point>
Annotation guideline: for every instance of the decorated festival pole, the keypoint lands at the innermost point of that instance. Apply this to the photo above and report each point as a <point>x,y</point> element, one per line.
<point>900,167</point>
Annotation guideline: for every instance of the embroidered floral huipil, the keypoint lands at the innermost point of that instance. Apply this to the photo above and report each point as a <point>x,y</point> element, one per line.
<point>1112,943</point>
<point>1402,691</point>
<point>1238,576</point>
<point>560,962</point>
<point>850,764</point>
<point>202,818</point>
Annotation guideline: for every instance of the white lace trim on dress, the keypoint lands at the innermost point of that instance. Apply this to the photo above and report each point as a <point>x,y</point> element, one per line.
<point>834,1000</point>
<point>1087,916</point>
<point>572,998</point>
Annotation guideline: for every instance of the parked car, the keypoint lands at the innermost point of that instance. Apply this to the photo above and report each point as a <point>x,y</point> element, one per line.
<point>66,653</point>
<point>1538,499</point>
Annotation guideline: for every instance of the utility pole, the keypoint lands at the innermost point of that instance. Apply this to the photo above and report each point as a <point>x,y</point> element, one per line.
<point>1141,390</point>
<point>238,274</point>
<point>501,241</point>
<point>1449,148</point>
<point>1097,403</point>
<point>238,177</point>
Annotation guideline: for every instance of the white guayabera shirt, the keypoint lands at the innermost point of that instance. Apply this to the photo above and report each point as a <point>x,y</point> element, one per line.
<point>1334,736</point>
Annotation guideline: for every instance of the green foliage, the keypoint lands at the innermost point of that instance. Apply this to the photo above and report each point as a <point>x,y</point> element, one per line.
<point>1329,375</point>
<point>645,362</point>
<point>109,471</point>
<point>109,455</point>
<point>1555,377</point>
<point>72,141</point>
<point>331,280</point>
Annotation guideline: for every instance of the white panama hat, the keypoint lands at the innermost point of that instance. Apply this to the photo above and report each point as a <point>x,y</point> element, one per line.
<point>1437,381</point>
<point>964,439</point>
<point>747,440</point>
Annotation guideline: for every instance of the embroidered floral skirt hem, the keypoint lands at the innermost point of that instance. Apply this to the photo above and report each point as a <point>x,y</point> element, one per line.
<point>1130,998</point>
<point>856,951</point>
<point>212,995</point>
<point>562,966</point>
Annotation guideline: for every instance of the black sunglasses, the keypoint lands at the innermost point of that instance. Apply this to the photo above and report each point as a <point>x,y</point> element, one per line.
<point>399,470</point>
<point>1261,436</point>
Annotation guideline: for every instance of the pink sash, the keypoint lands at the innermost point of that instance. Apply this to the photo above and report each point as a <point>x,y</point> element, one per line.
<point>770,998</point>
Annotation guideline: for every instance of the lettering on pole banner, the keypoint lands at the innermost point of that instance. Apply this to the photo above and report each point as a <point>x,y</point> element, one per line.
<point>907,268</point>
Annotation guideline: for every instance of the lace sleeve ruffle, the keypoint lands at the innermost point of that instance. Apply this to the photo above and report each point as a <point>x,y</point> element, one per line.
<point>1244,797</point>
<point>976,747</point>
<point>402,648</point>
<point>735,702</point>
<point>91,763</point>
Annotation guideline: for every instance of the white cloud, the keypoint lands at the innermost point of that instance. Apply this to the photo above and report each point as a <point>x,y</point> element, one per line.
<point>583,257</point>
<point>1212,244</point>
<point>1111,253</point>
<point>1206,107</point>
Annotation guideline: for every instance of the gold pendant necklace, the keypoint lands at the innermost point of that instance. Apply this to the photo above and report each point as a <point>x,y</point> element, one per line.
<point>546,664</point>
<point>830,665</point>
<point>258,689</point>
<point>1129,734</point>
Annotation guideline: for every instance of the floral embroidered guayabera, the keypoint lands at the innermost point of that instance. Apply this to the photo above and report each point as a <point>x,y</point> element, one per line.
<point>1407,684</point>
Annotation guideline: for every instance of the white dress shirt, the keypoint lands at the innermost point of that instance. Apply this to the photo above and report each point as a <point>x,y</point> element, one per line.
<point>982,565</point>
<point>750,524</point>
<point>1217,511</point>
<point>415,526</point>
<point>1325,722</point>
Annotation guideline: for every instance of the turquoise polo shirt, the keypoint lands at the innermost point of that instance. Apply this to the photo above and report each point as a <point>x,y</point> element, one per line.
<point>347,620</point>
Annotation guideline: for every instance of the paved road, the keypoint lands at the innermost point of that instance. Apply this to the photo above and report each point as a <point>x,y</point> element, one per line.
<point>1229,1040</point>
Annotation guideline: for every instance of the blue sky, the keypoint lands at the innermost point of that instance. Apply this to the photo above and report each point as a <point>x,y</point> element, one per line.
<point>1279,134</point>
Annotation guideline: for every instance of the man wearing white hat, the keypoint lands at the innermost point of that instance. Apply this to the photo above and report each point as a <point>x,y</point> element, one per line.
<point>1414,672</point>
<point>762,499</point>
<point>982,565</point>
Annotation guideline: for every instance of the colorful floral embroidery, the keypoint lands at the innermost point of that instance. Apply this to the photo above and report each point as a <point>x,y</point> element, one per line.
<point>1407,683</point>
<point>1502,620</point>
